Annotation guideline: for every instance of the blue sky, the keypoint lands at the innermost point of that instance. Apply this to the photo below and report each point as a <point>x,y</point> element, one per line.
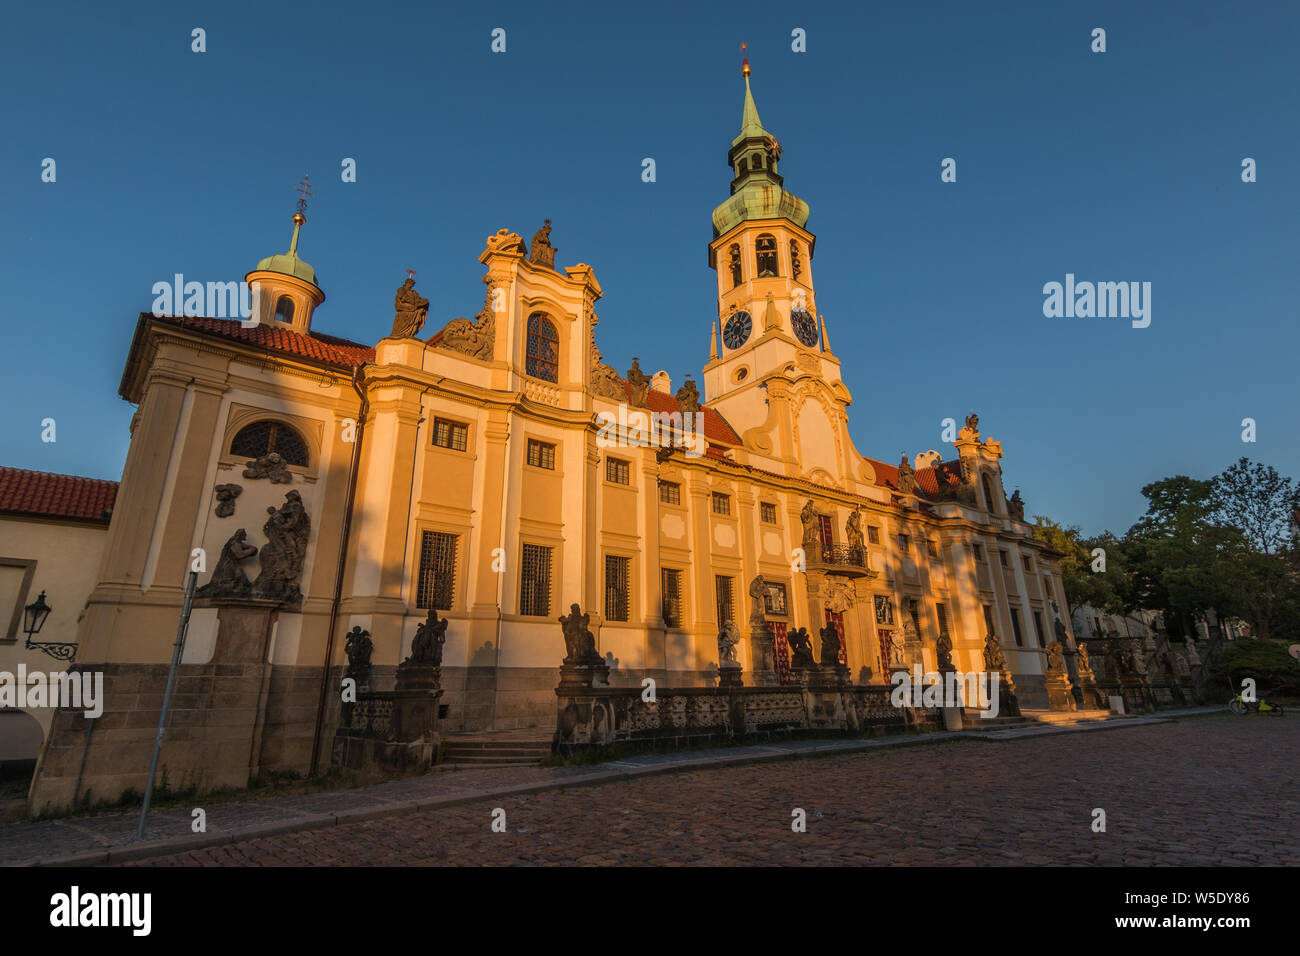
<point>1122,166</point>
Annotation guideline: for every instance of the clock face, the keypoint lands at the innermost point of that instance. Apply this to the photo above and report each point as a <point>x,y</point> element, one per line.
<point>736,332</point>
<point>805,329</point>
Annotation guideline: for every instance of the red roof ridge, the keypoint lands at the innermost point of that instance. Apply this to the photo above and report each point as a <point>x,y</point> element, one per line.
<point>51,495</point>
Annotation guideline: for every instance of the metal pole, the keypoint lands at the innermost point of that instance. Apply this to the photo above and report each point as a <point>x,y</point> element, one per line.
<point>177,651</point>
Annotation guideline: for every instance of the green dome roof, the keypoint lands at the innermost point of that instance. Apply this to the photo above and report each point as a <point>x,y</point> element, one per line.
<point>757,191</point>
<point>288,263</point>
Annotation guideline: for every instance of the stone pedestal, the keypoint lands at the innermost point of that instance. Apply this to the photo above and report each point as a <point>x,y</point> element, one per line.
<point>729,675</point>
<point>833,675</point>
<point>583,674</point>
<point>1060,692</point>
<point>763,658</point>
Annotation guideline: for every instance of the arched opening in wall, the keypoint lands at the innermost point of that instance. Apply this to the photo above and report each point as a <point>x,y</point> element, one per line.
<point>740,167</point>
<point>735,264</point>
<point>988,494</point>
<point>796,266</point>
<point>757,161</point>
<point>20,745</point>
<point>284,309</point>
<point>765,255</point>
<point>543,357</point>
<point>267,437</point>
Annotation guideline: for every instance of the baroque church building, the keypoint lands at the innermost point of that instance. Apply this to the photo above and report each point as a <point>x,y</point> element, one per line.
<point>497,470</point>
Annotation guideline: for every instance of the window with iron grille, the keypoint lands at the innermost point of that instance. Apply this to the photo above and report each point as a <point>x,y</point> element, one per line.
<point>543,358</point>
<point>767,512</point>
<point>721,504</point>
<point>1038,627</point>
<point>616,470</point>
<point>1015,628</point>
<point>617,592</point>
<point>535,581</point>
<point>541,454</point>
<point>437,581</point>
<point>671,580</point>
<point>873,534</point>
<point>266,438</point>
<point>449,434</point>
<point>670,493</point>
<point>988,621</point>
<point>904,543</point>
<point>726,606</point>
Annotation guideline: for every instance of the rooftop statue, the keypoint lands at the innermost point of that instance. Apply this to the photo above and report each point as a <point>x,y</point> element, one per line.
<point>411,310</point>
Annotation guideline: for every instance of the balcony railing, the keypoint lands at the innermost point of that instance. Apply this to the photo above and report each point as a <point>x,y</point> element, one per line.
<point>843,559</point>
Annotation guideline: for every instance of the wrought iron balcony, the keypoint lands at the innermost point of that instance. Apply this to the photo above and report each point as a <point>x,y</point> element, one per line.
<point>841,559</point>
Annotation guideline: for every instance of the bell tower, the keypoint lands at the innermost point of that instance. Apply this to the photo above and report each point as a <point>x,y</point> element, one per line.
<point>767,318</point>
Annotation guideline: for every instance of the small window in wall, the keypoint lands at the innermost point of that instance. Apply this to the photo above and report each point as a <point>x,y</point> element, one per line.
<point>437,582</point>
<point>756,161</point>
<point>904,544</point>
<point>541,454</point>
<point>670,493</point>
<point>617,588</point>
<point>873,534</point>
<point>1028,562</point>
<point>721,504</point>
<point>942,612</point>
<point>1002,556</point>
<point>451,435</point>
<point>796,266</point>
<point>284,309</point>
<point>765,256</point>
<point>1038,627</point>
<point>931,547</point>
<point>543,358</point>
<point>616,470</point>
<point>988,621</point>
<point>671,580</point>
<point>988,494</point>
<point>1015,628</point>
<point>267,437</point>
<point>725,595</point>
<point>535,581</point>
<point>767,512</point>
<point>979,552</point>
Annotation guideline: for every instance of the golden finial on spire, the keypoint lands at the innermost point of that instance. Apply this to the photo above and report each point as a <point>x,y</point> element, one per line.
<point>744,60</point>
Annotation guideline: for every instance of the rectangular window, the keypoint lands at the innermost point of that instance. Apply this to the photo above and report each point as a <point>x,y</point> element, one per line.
<point>988,621</point>
<point>873,534</point>
<point>721,504</point>
<point>931,548</point>
<point>671,580</point>
<point>1038,627</point>
<point>942,613</point>
<point>616,470</point>
<point>616,587</point>
<point>541,454</point>
<point>449,434</point>
<point>1003,557</point>
<point>767,512</point>
<point>726,606</point>
<point>827,531</point>
<point>437,580</point>
<point>670,493</point>
<point>979,552</point>
<point>535,581</point>
<point>1015,626</point>
<point>1029,564</point>
<point>904,543</point>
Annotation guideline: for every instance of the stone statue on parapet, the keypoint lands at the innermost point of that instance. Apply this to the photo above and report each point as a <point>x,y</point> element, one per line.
<point>757,592</point>
<point>728,638</point>
<point>812,539</point>
<point>410,311</point>
<point>543,253</point>
<point>430,635</point>
<point>638,384</point>
<point>907,484</point>
<point>830,635</point>
<point>579,642</point>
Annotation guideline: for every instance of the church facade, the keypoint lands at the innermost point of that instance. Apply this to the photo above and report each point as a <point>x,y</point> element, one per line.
<point>500,471</point>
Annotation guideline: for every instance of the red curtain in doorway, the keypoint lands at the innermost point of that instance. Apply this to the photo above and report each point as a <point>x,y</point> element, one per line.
<point>886,652</point>
<point>780,651</point>
<point>837,618</point>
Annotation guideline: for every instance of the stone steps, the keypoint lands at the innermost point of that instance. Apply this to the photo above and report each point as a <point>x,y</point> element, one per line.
<point>484,751</point>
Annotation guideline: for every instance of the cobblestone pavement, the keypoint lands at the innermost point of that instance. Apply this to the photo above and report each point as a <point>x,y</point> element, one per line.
<point>1217,790</point>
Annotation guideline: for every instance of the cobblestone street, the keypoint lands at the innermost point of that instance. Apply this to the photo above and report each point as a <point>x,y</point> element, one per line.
<point>1217,790</point>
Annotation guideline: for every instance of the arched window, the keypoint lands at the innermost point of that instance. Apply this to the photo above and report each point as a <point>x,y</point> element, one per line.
<point>543,358</point>
<point>757,161</point>
<point>284,309</point>
<point>740,167</point>
<point>265,437</point>
<point>735,264</point>
<point>988,494</point>
<point>796,266</point>
<point>765,249</point>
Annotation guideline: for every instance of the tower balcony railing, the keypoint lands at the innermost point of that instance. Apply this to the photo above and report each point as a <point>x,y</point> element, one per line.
<point>841,559</point>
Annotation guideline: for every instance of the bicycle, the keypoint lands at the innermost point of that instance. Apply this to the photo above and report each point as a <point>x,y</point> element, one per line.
<point>1242,707</point>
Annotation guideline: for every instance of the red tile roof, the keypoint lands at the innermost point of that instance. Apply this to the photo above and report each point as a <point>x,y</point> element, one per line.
<point>321,348</point>
<point>716,428</point>
<point>937,481</point>
<point>41,494</point>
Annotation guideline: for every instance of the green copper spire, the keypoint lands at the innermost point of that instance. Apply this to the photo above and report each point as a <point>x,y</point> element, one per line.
<point>288,263</point>
<point>757,191</point>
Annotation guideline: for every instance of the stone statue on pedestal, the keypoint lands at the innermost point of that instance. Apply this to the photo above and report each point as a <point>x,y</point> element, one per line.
<point>228,578</point>
<point>830,636</point>
<point>285,550</point>
<point>410,311</point>
<point>801,650</point>
<point>430,635</point>
<point>728,638</point>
